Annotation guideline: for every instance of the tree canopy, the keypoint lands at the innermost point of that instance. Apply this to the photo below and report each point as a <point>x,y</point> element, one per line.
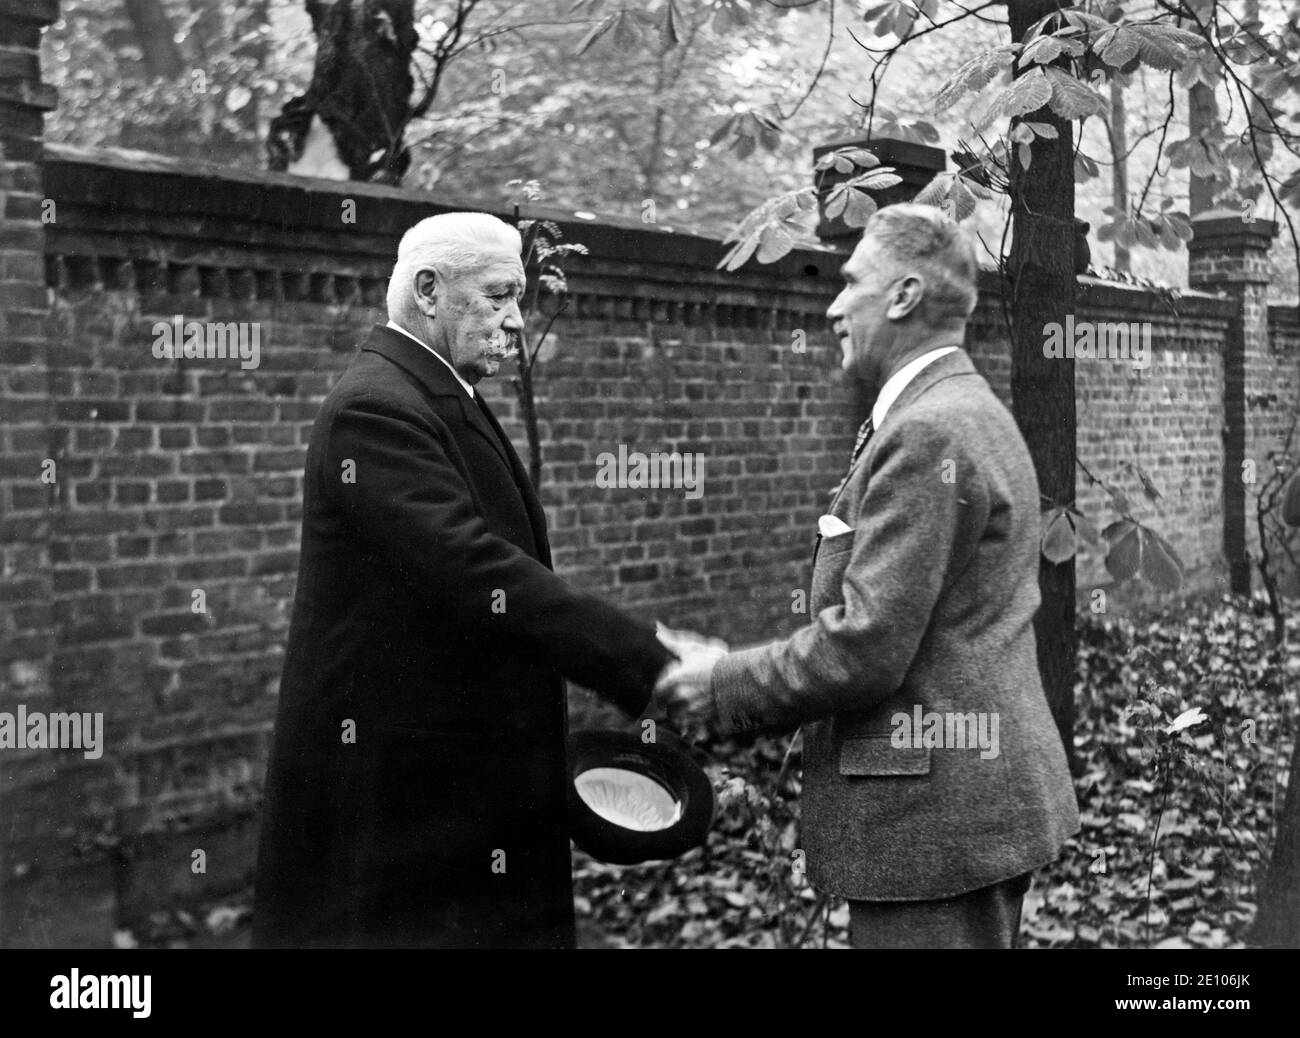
<point>708,108</point>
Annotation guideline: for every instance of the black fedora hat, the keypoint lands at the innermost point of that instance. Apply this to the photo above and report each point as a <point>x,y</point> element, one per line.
<point>632,801</point>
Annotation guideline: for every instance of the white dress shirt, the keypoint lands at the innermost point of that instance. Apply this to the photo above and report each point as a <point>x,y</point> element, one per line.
<point>898,381</point>
<point>468,388</point>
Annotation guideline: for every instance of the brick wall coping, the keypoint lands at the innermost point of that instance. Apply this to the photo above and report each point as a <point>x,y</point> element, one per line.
<point>1284,315</point>
<point>1224,229</point>
<point>133,212</point>
<point>131,219</point>
<point>1120,298</point>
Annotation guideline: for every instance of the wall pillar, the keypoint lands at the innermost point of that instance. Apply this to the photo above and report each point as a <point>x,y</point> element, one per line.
<point>1228,254</point>
<point>26,627</point>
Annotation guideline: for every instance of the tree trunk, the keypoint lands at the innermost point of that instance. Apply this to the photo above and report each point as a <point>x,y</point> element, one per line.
<point>523,384</point>
<point>1043,285</point>
<point>360,90</point>
<point>154,32</point>
<point>1277,923</point>
<point>206,34</point>
<point>1202,115</point>
<point>254,12</point>
<point>1119,164</point>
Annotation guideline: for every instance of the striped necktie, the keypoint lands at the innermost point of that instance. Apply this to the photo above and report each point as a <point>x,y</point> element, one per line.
<point>864,434</point>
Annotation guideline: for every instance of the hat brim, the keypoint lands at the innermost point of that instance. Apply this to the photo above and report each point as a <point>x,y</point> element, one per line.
<point>667,763</point>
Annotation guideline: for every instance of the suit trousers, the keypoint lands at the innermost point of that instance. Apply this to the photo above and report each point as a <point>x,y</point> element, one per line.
<point>985,918</point>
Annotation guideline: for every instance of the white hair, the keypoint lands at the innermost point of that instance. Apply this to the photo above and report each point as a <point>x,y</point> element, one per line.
<point>450,243</point>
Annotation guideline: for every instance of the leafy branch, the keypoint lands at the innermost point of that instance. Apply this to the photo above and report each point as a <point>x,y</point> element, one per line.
<point>1133,548</point>
<point>769,231</point>
<point>544,257</point>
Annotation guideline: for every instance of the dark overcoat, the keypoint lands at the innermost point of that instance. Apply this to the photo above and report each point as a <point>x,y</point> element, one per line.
<point>417,784</point>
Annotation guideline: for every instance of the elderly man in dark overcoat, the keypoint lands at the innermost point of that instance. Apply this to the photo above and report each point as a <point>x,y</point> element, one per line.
<point>416,792</point>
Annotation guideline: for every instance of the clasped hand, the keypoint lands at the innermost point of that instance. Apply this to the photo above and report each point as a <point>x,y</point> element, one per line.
<point>685,684</point>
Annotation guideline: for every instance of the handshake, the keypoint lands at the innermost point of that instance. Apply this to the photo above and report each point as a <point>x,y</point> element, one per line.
<point>683,686</point>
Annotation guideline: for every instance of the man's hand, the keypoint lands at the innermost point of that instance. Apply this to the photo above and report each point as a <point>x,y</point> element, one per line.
<point>685,684</point>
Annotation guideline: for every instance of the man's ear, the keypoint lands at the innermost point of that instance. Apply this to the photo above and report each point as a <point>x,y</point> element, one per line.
<point>905,297</point>
<point>424,287</point>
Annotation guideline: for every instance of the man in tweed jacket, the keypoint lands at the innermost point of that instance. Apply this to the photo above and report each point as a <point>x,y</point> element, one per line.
<point>934,777</point>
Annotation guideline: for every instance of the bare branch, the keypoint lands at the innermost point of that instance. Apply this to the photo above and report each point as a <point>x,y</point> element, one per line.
<point>821,66</point>
<point>1160,148</point>
<point>932,27</point>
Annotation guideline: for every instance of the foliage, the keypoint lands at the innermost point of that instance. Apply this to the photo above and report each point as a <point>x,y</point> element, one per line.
<point>1183,736</point>
<point>232,82</point>
<point>544,257</point>
<point>626,121</point>
<point>1076,39</point>
<point>1184,732</point>
<point>1062,65</point>
<point>622,122</point>
<point>769,231</point>
<point>716,116</point>
<point>1135,549</point>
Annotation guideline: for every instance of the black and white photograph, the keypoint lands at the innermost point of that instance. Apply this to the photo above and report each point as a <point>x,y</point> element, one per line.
<point>611,475</point>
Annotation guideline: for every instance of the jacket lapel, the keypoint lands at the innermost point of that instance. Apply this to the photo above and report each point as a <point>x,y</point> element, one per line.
<point>437,380</point>
<point>948,366</point>
<point>435,377</point>
<point>536,514</point>
<point>478,421</point>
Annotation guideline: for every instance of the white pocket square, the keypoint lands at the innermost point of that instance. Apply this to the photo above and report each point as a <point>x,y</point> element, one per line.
<point>830,526</point>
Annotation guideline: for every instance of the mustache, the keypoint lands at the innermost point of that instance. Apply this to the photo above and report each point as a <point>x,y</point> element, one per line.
<point>503,344</point>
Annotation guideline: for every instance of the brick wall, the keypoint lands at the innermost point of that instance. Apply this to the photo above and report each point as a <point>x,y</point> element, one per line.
<point>1166,416</point>
<point>27,633</point>
<point>182,477</point>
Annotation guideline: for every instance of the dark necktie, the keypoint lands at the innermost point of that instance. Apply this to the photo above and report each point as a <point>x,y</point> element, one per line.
<point>864,434</point>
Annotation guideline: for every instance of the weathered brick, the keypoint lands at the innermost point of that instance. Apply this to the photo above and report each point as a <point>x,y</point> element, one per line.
<point>278,461</point>
<point>213,569</point>
<point>223,462</point>
<point>96,410</point>
<point>250,514</point>
<point>171,491</point>
<point>179,518</point>
<point>91,493</point>
<point>140,575</point>
<point>173,623</point>
<point>27,498</point>
<point>164,410</point>
<point>175,437</point>
<point>14,352</point>
<point>276,562</point>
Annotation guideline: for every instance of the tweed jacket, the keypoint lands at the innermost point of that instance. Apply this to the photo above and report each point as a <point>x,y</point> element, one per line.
<point>921,644</point>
